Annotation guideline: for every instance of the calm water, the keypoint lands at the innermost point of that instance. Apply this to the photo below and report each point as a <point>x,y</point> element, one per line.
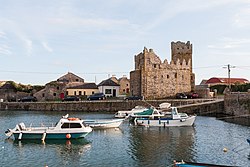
<point>129,146</point>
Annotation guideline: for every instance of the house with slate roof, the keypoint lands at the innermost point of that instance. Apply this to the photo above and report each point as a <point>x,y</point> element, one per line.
<point>109,88</point>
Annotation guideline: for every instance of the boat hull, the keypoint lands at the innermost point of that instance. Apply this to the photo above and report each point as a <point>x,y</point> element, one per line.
<point>39,136</point>
<point>104,124</point>
<point>165,122</point>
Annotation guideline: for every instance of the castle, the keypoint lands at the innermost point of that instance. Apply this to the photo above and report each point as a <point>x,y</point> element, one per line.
<point>154,79</point>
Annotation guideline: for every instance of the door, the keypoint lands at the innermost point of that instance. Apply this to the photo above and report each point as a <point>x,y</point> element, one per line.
<point>114,92</point>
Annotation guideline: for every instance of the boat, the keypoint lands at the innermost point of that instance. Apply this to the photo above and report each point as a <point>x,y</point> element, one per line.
<point>66,128</point>
<point>194,164</point>
<point>136,109</point>
<point>154,117</point>
<point>248,140</point>
<point>104,123</point>
<point>139,109</point>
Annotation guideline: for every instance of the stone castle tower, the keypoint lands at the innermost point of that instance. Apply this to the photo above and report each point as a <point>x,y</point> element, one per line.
<point>155,79</point>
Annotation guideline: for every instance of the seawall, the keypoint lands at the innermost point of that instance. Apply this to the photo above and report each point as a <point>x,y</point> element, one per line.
<point>192,106</point>
<point>237,104</point>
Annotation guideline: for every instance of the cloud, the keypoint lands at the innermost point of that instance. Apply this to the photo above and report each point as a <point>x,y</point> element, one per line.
<point>230,43</point>
<point>46,46</point>
<point>242,18</point>
<point>4,47</point>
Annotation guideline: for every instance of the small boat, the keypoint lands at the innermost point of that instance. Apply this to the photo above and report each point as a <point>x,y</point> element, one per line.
<point>104,123</point>
<point>154,117</point>
<point>194,164</point>
<point>123,114</point>
<point>248,140</point>
<point>139,109</point>
<point>66,128</point>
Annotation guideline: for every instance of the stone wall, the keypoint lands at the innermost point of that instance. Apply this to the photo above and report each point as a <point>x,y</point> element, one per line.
<point>103,106</point>
<point>237,104</point>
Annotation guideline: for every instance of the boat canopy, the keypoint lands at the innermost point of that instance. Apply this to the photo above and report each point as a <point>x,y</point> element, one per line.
<point>146,112</point>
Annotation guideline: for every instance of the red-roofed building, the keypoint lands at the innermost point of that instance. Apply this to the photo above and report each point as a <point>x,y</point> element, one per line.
<point>224,81</point>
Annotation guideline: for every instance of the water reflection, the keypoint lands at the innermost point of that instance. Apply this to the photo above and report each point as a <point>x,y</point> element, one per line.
<point>158,146</point>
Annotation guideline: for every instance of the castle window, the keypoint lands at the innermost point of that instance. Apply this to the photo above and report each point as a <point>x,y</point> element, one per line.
<point>77,80</point>
<point>167,76</point>
<point>154,65</point>
<point>74,92</point>
<point>84,93</point>
<point>93,92</point>
<point>80,92</point>
<point>175,75</point>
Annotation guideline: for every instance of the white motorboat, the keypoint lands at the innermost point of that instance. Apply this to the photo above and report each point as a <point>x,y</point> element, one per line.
<point>104,123</point>
<point>66,128</point>
<point>152,117</point>
<point>123,114</point>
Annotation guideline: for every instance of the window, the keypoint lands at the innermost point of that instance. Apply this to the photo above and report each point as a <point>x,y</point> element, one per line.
<point>54,94</point>
<point>127,84</point>
<point>123,90</point>
<point>67,93</point>
<point>80,93</point>
<point>71,125</point>
<point>93,92</point>
<point>107,91</point>
<point>43,95</point>
<point>57,88</point>
<point>175,75</point>
<point>154,65</point>
<point>77,80</point>
<point>167,76</point>
<point>84,93</point>
<point>74,92</point>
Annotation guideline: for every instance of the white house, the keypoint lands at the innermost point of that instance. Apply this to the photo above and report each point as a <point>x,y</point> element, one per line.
<point>109,88</point>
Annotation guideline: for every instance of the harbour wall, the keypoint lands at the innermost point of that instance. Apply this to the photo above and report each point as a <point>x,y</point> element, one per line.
<point>192,106</point>
<point>237,104</point>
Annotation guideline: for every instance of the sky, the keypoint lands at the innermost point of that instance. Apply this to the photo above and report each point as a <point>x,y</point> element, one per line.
<point>42,40</point>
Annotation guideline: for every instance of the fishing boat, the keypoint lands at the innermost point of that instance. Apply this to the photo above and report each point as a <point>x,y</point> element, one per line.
<point>104,123</point>
<point>66,128</point>
<point>194,164</point>
<point>136,109</point>
<point>154,117</point>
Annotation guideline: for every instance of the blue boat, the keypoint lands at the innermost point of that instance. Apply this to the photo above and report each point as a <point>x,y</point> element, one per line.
<point>248,140</point>
<point>194,164</point>
<point>66,128</point>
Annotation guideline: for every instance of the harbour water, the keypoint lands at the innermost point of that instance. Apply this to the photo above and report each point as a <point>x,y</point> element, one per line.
<point>126,146</point>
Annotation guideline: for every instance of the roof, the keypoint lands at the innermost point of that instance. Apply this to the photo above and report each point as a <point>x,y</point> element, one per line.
<point>85,86</point>
<point>215,80</point>
<point>108,82</point>
<point>70,77</point>
<point>8,85</point>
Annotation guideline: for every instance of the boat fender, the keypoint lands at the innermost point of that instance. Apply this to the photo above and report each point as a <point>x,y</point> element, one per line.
<point>68,136</point>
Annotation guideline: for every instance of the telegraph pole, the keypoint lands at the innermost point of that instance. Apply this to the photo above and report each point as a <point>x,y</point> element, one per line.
<point>229,71</point>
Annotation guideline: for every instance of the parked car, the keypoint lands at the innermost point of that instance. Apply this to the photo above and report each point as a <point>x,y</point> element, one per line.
<point>192,95</point>
<point>96,96</point>
<point>181,96</point>
<point>133,98</point>
<point>28,99</point>
<point>71,98</point>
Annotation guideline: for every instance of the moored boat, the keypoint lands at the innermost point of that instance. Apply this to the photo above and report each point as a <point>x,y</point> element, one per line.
<point>136,109</point>
<point>194,164</point>
<point>154,117</point>
<point>104,123</point>
<point>66,128</point>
